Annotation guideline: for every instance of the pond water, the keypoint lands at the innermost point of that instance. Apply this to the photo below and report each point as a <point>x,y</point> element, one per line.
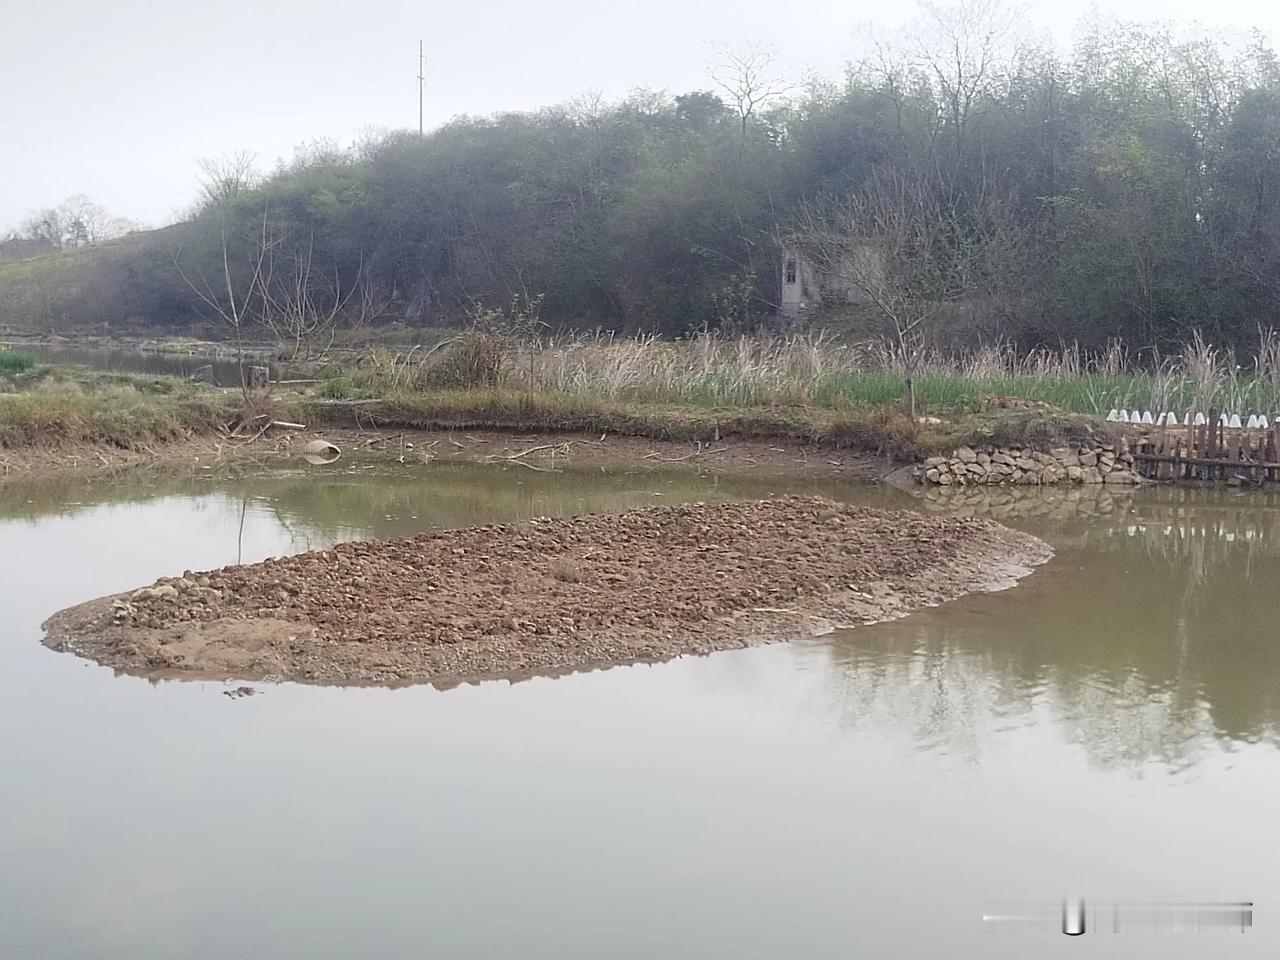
<point>225,368</point>
<point>1107,729</point>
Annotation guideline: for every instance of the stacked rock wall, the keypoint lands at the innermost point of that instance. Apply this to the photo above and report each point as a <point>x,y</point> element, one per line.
<point>1090,461</point>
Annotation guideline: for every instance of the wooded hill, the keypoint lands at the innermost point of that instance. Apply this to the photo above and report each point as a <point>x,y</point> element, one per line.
<point>1132,188</point>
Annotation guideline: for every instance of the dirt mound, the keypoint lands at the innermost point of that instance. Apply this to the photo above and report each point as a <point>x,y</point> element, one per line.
<point>997,402</point>
<point>548,595</point>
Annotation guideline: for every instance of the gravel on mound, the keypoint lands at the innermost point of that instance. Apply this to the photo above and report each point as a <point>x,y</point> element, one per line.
<point>548,596</point>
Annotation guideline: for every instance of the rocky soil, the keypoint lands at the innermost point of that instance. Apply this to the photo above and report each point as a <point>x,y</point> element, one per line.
<point>548,596</point>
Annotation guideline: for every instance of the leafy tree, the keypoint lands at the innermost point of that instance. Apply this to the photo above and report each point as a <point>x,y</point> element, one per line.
<point>1131,187</point>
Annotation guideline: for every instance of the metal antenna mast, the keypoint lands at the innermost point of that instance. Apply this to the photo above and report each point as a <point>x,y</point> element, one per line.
<point>421,78</point>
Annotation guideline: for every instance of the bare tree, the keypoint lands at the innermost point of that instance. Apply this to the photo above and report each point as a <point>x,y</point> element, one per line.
<point>590,108</point>
<point>301,305</point>
<point>45,227</point>
<point>957,51</point>
<point>962,47</point>
<point>749,78</point>
<point>232,294</point>
<point>76,222</point>
<point>276,284</point>
<point>899,246</point>
<point>88,221</point>
<point>374,301</point>
<point>224,178</point>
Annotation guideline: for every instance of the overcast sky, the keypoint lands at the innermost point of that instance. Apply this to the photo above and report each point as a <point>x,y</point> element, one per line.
<point>117,99</point>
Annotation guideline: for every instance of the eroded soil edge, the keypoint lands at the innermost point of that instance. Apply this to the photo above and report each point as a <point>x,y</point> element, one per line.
<point>548,596</point>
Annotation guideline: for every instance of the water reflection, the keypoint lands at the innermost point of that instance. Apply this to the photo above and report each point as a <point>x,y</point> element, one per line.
<point>1067,508</point>
<point>374,498</point>
<point>116,360</point>
<point>1108,726</point>
<point>1151,635</point>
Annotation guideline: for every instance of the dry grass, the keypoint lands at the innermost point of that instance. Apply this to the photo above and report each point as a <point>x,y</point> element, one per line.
<point>815,371</point>
<point>804,388</point>
<point>118,417</point>
<point>54,407</point>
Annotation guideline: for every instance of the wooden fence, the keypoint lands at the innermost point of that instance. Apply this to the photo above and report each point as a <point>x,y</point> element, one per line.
<point>1210,452</point>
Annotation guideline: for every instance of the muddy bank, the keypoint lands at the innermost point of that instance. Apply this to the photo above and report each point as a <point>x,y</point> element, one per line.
<point>548,596</point>
<point>517,451</point>
<point>74,458</point>
<point>550,451</point>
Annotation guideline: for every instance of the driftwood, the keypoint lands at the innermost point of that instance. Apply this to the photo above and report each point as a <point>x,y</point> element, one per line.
<point>565,450</point>
<point>282,424</point>
<point>700,452</point>
<point>525,453</point>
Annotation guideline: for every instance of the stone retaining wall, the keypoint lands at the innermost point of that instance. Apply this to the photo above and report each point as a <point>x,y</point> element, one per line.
<point>1090,461</point>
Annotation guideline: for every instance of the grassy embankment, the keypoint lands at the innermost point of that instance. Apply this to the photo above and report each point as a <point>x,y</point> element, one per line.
<point>45,407</point>
<point>818,374</point>
<point>807,388</point>
<point>802,388</point>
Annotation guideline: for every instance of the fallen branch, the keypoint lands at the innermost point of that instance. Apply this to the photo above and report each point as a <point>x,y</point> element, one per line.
<point>372,440</point>
<point>234,433</point>
<point>525,453</point>
<point>265,427</point>
<point>565,449</point>
<point>282,424</point>
<point>689,456</point>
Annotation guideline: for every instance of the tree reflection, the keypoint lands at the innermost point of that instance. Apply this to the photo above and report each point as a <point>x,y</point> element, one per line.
<point>1151,636</point>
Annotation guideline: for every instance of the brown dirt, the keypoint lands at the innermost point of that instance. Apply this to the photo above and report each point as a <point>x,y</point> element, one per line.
<point>89,459</point>
<point>548,450</point>
<point>548,596</point>
<point>782,457</point>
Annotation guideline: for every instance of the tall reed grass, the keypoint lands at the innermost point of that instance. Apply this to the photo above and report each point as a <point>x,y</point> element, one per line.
<point>816,370</point>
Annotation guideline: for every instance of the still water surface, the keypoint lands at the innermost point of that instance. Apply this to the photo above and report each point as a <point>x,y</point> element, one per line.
<point>225,368</point>
<point>1107,729</point>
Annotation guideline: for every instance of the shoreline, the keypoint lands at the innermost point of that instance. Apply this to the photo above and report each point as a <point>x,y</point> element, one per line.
<point>92,460</point>
<point>548,596</point>
<point>777,456</point>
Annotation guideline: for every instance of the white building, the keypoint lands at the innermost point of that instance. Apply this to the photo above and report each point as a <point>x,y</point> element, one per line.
<point>805,288</point>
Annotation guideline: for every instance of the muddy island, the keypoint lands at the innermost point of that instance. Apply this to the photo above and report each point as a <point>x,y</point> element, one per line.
<point>548,595</point>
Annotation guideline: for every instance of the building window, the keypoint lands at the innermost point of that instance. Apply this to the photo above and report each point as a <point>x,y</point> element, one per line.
<point>791,269</point>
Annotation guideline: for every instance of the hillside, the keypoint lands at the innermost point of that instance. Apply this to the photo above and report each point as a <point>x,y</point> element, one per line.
<point>1131,190</point>
<point>116,286</point>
